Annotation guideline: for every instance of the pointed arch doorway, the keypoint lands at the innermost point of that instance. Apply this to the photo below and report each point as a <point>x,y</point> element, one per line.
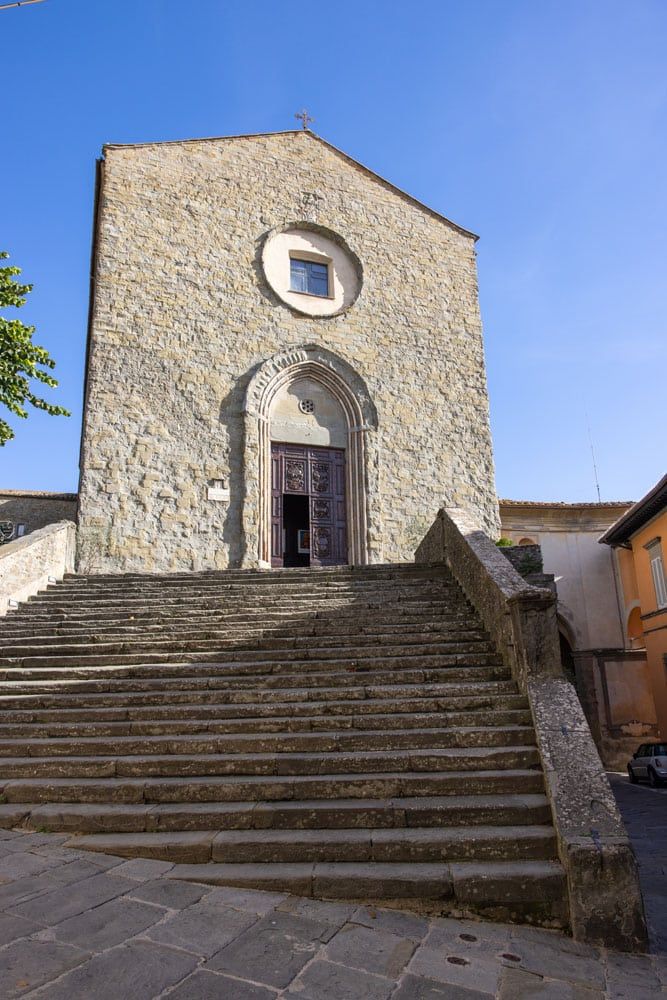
<point>309,416</point>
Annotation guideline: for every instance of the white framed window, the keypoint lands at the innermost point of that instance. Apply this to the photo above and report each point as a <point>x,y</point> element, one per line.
<point>20,530</point>
<point>654,549</point>
<point>309,276</point>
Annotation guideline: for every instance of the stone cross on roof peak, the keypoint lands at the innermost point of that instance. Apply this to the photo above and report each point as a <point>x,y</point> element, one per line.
<point>304,118</point>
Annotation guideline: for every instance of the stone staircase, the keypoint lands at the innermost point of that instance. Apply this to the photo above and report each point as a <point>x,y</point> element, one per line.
<point>342,733</point>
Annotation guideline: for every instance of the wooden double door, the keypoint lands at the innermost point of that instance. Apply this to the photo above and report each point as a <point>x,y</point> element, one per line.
<point>307,506</point>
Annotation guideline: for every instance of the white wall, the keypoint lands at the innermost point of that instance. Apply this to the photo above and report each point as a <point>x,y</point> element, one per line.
<point>585,580</point>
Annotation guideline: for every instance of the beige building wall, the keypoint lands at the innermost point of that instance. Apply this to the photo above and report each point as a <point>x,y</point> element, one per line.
<point>185,316</point>
<point>588,592</point>
<point>30,510</point>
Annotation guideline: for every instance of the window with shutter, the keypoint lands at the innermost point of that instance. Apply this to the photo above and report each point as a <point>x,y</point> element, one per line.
<point>658,573</point>
<point>309,276</point>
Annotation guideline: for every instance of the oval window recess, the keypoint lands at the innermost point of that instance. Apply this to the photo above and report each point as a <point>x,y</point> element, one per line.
<point>315,244</point>
<point>307,406</point>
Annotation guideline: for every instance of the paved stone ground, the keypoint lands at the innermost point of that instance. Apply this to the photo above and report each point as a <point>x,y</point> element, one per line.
<point>644,811</point>
<point>81,926</point>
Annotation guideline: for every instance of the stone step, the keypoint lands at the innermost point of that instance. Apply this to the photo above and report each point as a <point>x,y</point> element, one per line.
<point>231,681</point>
<point>402,813</point>
<point>214,655</point>
<point>523,891</point>
<point>234,669</point>
<point>327,632</point>
<point>234,788</point>
<point>369,589</point>
<point>60,649</point>
<point>315,577</point>
<point>258,640</point>
<point>469,758</point>
<point>252,612</point>
<point>241,626</point>
<point>31,731</point>
<point>416,844</point>
<point>325,674</point>
<point>366,713</point>
<point>271,648</point>
<point>276,742</point>
<point>264,582</point>
<point>388,569</point>
<point>247,602</point>
<point>314,634</point>
<point>428,696</point>
<point>262,585</point>
<point>186,703</point>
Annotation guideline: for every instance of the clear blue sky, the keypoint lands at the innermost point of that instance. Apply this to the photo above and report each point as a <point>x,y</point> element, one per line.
<point>539,125</point>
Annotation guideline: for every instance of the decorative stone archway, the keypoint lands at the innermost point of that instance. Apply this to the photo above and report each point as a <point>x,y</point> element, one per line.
<point>362,488</point>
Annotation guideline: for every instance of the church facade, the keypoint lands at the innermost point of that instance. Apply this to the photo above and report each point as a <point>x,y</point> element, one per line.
<point>285,362</point>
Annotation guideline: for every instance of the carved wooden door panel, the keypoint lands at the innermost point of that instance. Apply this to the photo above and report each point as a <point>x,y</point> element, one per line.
<point>319,474</point>
<point>276,508</point>
<point>289,476</point>
<point>328,544</point>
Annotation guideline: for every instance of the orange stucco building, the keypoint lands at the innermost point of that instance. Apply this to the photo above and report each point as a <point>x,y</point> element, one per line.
<point>639,540</point>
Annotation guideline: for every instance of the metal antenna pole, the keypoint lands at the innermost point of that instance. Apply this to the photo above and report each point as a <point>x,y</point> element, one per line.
<point>595,468</point>
<point>19,3</point>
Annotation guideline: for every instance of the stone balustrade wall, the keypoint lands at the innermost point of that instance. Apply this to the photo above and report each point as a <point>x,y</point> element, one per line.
<point>28,564</point>
<point>603,886</point>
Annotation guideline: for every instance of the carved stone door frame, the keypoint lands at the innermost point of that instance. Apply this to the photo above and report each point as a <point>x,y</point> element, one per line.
<point>362,495</point>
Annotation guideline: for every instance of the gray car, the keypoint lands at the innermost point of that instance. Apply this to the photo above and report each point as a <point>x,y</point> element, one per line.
<point>649,763</point>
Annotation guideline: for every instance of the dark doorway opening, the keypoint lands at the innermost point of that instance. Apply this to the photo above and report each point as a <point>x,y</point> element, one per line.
<point>296,529</point>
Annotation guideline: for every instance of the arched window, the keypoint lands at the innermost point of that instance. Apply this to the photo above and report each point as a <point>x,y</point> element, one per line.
<point>634,629</point>
<point>527,541</point>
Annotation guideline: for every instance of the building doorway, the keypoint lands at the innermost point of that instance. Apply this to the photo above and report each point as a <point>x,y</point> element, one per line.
<point>308,506</point>
<point>296,530</point>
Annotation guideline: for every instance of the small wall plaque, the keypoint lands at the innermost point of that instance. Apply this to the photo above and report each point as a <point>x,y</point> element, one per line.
<point>218,490</point>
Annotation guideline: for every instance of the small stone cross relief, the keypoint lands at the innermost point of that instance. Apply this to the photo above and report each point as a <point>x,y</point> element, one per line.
<point>311,202</point>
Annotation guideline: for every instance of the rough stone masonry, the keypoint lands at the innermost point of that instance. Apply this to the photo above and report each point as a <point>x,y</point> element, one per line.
<point>183,318</point>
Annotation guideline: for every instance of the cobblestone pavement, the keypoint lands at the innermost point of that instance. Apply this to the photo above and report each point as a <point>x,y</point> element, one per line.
<point>644,812</point>
<point>81,926</point>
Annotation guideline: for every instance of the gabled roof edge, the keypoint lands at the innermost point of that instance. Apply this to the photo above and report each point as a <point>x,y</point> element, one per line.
<point>641,512</point>
<point>565,504</point>
<point>318,138</point>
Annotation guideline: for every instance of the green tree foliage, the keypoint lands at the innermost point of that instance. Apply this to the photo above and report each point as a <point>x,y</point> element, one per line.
<point>20,359</point>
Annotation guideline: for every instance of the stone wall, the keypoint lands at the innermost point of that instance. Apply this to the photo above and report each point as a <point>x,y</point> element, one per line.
<point>36,509</point>
<point>603,886</point>
<point>29,564</point>
<point>183,317</point>
<point>526,559</point>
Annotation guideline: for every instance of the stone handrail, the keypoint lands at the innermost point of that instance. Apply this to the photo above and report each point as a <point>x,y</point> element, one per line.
<point>27,564</point>
<point>604,897</point>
